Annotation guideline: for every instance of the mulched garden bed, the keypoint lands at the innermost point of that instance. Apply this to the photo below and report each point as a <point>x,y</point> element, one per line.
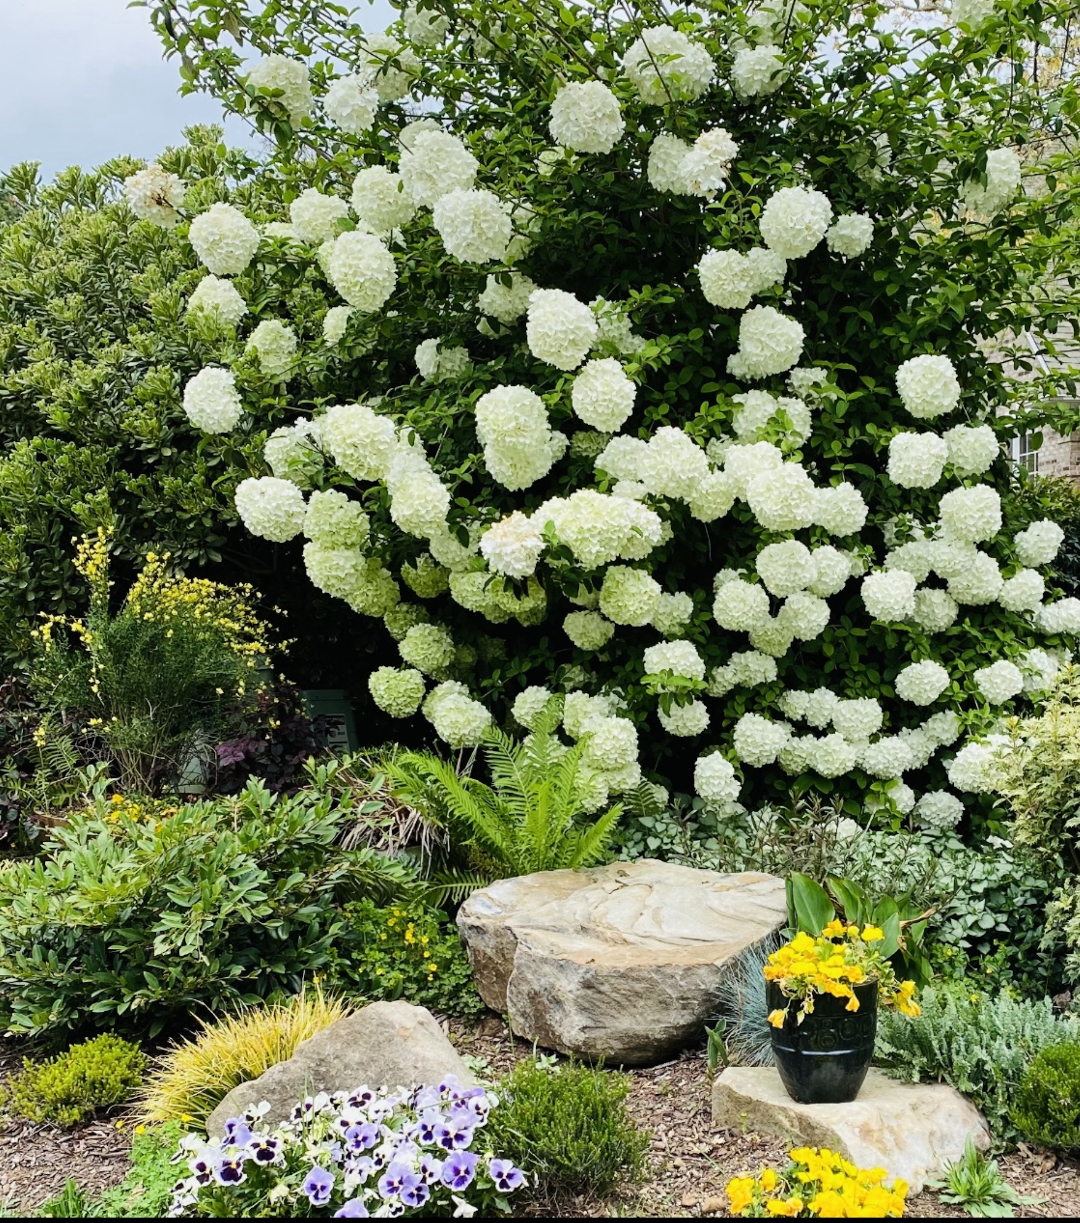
<point>689,1161</point>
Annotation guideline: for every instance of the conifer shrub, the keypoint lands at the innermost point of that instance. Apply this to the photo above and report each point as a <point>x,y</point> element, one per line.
<point>1048,1103</point>
<point>72,1086</point>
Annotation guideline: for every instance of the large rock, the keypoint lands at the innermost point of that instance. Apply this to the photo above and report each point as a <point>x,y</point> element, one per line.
<point>618,962</point>
<point>386,1044</point>
<point>912,1130</point>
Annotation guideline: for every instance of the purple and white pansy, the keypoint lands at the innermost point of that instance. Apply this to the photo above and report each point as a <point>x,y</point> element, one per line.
<point>364,1154</point>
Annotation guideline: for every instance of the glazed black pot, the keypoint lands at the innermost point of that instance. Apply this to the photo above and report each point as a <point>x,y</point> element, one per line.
<point>824,1059</point>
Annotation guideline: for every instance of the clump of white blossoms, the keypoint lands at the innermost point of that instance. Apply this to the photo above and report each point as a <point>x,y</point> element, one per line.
<point>1024,591</point>
<point>1038,543</point>
<point>435,163</point>
<point>275,73</point>
<point>999,682</point>
<point>429,648</point>
<point>922,683</point>
<point>271,508</point>
<point>274,344</point>
<point>939,809</point>
<point>512,546</point>
<point>220,298</point>
<point>705,167</point>
<point>351,104</point>
<point>425,27</point>
<point>438,364</point>
<point>155,195</point>
<point>334,521</point>
<point>475,226</point>
<point>362,270</point>
<point>928,386</point>
<point>794,220</point>
<point>769,343</point>
<point>602,395</point>
<point>740,607</point>
<point>224,239</point>
<point>315,216</point>
<point>971,514</point>
<point>973,768</point>
<point>362,442</point>
<point>678,657</point>
<point>588,630</point>
<point>519,444</point>
<point>786,568</point>
<point>389,66</point>
<point>715,780</point>
<point>664,66</point>
<point>292,454</point>
<point>759,410</point>
<point>335,324</point>
<point>972,449</point>
<point>506,296</point>
<point>684,721</point>
<point>757,741</point>
<point>729,280</point>
<point>971,12</point>
<point>850,235</point>
<point>397,691</point>
<point>212,402</point>
<point>629,596</point>
<point>560,329</point>
<point>917,460</point>
<point>783,500</point>
<point>667,157</point>
<point>458,720</point>
<point>1060,617</point>
<point>889,595</point>
<point>757,71</point>
<point>380,200</point>
<point>585,117</point>
<point>1002,184</point>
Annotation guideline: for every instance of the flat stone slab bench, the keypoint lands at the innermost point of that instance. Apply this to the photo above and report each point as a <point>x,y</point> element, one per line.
<point>910,1129</point>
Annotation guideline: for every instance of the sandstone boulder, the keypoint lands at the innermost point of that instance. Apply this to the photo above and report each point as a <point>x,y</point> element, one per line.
<point>618,962</point>
<point>386,1044</point>
<point>912,1130</point>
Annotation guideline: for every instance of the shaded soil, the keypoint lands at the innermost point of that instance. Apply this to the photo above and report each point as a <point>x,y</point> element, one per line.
<point>688,1164</point>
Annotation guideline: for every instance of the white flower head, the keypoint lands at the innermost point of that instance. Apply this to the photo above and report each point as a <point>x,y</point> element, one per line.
<point>1002,184</point>
<point>397,691</point>
<point>602,395</point>
<point>769,343</point>
<point>1038,543</point>
<point>705,167</point>
<point>155,195</point>
<point>629,596</point>
<point>315,216</point>
<point>917,460</point>
<point>380,200</point>
<point>922,683</point>
<point>715,780</point>
<point>928,386</point>
<point>850,235</point>
<point>585,117</point>
<point>666,66</point>
<point>999,682</point>
<point>274,73</point>
<point>757,71</point>
<point>274,345</point>
<point>971,514</point>
<point>794,220</point>
<point>389,66</point>
<point>224,239</point>
<point>211,400</point>
<point>362,270</point>
<point>560,329</point>
<point>434,164</point>
<point>475,226</point>
<point>351,104</point>
<point>219,298</point>
<point>271,508</point>
<point>512,546</point>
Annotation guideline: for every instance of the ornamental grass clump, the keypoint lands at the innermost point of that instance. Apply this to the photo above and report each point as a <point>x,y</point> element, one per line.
<point>818,1183</point>
<point>68,1088</point>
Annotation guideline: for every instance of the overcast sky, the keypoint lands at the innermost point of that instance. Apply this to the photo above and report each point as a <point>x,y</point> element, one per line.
<point>83,80</point>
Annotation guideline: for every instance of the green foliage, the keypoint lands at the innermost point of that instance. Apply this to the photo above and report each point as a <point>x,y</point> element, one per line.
<point>569,1126</point>
<point>976,1183</point>
<point>1047,1108</point>
<point>530,818</point>
<point>70,1203</point>
<point>124,924</point>
<point>404,952</point>
<point>70,1087</point>
<point>981,1043</point>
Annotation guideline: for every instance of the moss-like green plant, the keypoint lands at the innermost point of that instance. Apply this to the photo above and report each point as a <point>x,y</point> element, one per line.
<point>72,1086</point>
<point>1047,1109</point>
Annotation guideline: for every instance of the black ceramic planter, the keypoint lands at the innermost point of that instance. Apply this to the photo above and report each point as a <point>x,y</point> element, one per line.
<point>824,1059</point>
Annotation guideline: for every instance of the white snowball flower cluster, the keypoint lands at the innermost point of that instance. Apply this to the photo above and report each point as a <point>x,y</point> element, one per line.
<point>351,103</point>
<point>1002,184</point>
<point>973,768</point>
<point>292,454</point>
<point>887,757</point>
<point>588,630</point>
<point>435,163</point>
<point>740,607</point>
<point>425,27</point>
<point>380,200</point>
<point>850,235</point>
<point>211,400</point>
<point>840,509</point>
<point>757,741</point>
<point>279,72</point>
<point>506,302</point>
<point>972,449</point>
<point>155,195</point>
<point>560,329</point>
<point>438,364</point>
<point>418,499</point>
<point>1024,591</point>
<point>474,225</point>
<point>744,669</point>
<point>999,682</point>
<point>271,508</point>
<point>757,411</point>
<point>922,683</point>
<point>715,780</point>
<point>274,344</point>
<point>671,464</point>
<point>602,395</point>
<point>729,280</point>
<point>345,573</point>
<point>832,572</point>
<point>665,66</point>
<point>804,616</point>
<point>335,521</point>
<point>610,742</point>
<point>971,12</point>
<point>1060,617</point>
<point>794,220</point>
<point>1038,544</point>
<point>786,568</point>
<point>224,239</point>
<point>397,691</point>
<point>673,614</point>
<point>315,216</point>
<point>425,578</point>
<point>971,514</point>
<point>978,583</point>
<point>857,719</point>
<point>928,386</point>
<point>1040,670</point>
<point>585,117</point>
<point>458,720</point>
<point>889,595</point>
<point>833,756</point>
<point>390,67</point>
<point>429,648</point>
<point>629,596</point>
<point>512,546</point>
<point>784,499</point>
<point>917,460</point>
<point>530,704</point>
<point>667,156</point>
<point>939,809</point>
<point>362,270</point>
<point>806,380</point>
<point>600,528</point>
<point>705,167</point>
<point>757,71</point>
<point>769,343</point>
<point>519,445</point>
<point>678,657</point>
<point>218,297</point>
<point>361,441</point>
<point>684,721</point>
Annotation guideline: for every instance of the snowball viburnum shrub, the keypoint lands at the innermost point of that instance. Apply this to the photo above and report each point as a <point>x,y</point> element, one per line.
<point>603,380</point>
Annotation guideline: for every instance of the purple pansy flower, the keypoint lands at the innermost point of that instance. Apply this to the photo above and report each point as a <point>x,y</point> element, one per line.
<point>426,1097</point>
<point>318,1186</point>
<point>454,1133</point>
<point>505,1176</point>
<point>458,1170</point>
<point>427,1123</point>
<point>361,1098</point>
<point>362,1137</point>
<point>205,1164</point>
<point>413,1191</point>
<point>392,1180</point>
<point>265,1150</point>
<point>429,1168</point>
<point>230,1171</point>
<point>237,1133</point>
<point>353,1209</point>
<point>362,1166</point>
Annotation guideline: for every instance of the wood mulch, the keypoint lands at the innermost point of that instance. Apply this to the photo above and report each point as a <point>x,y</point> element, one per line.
<point>688,1163</point>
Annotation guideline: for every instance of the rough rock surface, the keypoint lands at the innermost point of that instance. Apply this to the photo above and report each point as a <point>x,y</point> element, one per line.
<point>618,962</point>
<point>386,1044</point>
<point>910,1129</point>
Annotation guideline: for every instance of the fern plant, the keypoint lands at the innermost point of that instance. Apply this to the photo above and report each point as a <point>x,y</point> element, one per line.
<point>530,817</point>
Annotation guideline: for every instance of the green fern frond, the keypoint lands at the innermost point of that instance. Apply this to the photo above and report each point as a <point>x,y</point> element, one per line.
<point>452,887</point>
